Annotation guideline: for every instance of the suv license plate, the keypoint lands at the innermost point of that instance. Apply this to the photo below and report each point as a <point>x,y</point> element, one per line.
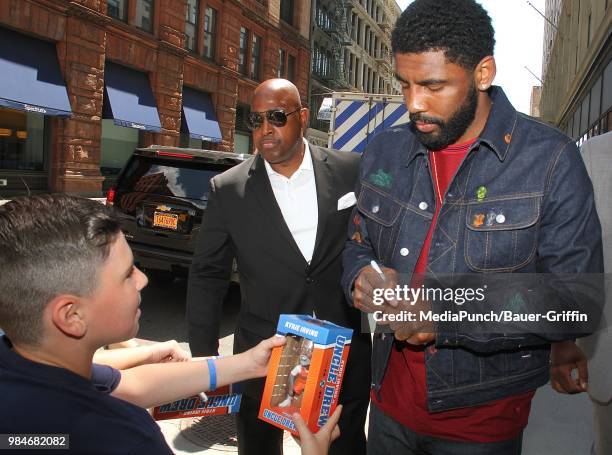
<point>165,220</point>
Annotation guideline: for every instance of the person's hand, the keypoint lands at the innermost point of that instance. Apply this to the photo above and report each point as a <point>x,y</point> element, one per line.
<point>257,358</point>
<point>415,338</point>
<point>168,351</point>
<point>368,280</point>
<point>414,331</point>
<point>565,357</point>
<point>318,443</point>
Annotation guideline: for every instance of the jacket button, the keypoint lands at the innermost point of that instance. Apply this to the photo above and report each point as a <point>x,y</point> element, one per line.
<point>404,251</point>
<point>375,209</point>
<point>309,279</point>
<point>423,205</point>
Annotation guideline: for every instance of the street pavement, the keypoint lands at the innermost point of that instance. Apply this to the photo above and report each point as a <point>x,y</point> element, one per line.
<point>558,424</point>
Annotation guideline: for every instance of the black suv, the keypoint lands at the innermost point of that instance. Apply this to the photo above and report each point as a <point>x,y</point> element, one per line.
<point>160,195</point>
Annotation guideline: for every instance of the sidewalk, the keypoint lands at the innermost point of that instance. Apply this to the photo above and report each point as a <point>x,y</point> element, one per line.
<point>212,435</point>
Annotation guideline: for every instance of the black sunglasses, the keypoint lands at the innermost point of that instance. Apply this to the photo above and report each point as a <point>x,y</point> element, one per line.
<point>276,117</point>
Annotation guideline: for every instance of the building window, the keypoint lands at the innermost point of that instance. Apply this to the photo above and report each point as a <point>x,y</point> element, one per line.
<point>286,11</point>
<point>144,14</point>
<point>242,135</point>
<point>210,27</point>
<point>255,54</point>
<point>321,62</point>
<point>117,145</point>
<point>23,140</point>
<point>286,65</point>
<point>117,9</point>
<point>191,25</point>
<point>589,31</point>
<point>282,58</point>
<point>291,68</point>
<point>244,40</point>
<point>595,108</point>
<point>323,19</point>
<point>250,54</point>
<point>313,58</point>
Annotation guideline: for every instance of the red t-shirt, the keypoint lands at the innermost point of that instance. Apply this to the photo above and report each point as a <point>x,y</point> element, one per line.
<point>404,388</point>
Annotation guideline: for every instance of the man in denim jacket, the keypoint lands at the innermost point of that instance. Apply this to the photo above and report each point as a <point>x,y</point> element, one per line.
<point>470,186</point>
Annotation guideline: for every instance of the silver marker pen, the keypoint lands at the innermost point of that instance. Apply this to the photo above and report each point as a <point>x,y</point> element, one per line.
<point>378,270</point>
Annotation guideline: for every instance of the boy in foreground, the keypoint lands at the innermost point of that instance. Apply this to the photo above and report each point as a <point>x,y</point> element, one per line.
<point>69,286</point>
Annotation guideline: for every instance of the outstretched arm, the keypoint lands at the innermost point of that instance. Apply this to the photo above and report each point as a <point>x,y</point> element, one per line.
<point>155,384</point>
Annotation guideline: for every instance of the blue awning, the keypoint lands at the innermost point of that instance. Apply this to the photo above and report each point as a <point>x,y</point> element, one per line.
<point>30,76</point>
<point>128,98</point>
<point>199,119</point>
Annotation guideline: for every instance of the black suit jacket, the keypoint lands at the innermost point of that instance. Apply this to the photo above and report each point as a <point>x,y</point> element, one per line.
<point>243,220</point>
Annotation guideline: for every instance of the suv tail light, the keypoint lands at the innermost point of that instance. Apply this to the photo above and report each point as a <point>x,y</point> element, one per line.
<point>110,196</point>
<point>174,154</point>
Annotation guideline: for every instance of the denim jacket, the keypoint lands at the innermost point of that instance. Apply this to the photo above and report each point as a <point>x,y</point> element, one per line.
<point>534,176</point>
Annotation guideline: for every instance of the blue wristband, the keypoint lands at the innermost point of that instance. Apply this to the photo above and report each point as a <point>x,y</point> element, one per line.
<point>212,375</point>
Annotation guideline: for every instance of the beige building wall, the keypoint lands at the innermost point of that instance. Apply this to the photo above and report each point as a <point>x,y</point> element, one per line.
<point>536,97</point>
<point>371,21</point>
<point>577,89</point>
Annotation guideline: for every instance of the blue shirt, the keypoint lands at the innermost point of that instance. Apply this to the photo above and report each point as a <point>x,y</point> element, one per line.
<point>43,399</point>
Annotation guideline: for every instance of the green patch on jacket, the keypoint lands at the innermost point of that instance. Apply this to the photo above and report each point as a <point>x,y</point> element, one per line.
<point>381,178</point>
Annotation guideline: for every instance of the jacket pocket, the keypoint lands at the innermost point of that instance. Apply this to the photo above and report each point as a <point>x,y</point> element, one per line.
<point>381,214</point>
<point>501,234</point>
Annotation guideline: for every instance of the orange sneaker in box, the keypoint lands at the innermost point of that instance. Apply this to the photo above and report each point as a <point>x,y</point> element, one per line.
<point>305,375</point>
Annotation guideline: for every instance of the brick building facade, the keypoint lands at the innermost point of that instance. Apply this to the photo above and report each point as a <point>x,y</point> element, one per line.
<point>248,36</point>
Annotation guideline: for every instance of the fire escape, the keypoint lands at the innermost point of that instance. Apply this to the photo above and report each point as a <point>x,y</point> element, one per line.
<point>331,19</point>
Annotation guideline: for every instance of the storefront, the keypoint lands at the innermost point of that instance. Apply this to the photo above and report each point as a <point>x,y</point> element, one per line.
<point>242,135</point>
<point>32,92</point>
<point>199,126</point>
<point>129,108</point>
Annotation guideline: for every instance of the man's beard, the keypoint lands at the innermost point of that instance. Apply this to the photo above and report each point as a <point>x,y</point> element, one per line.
<point>450,131</point>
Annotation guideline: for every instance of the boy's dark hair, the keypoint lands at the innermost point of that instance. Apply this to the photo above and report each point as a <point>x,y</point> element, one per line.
<point>49,245</point>
<point>461,28</point>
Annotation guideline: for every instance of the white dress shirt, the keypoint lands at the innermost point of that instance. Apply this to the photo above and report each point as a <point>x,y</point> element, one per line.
<point>297,198</point>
